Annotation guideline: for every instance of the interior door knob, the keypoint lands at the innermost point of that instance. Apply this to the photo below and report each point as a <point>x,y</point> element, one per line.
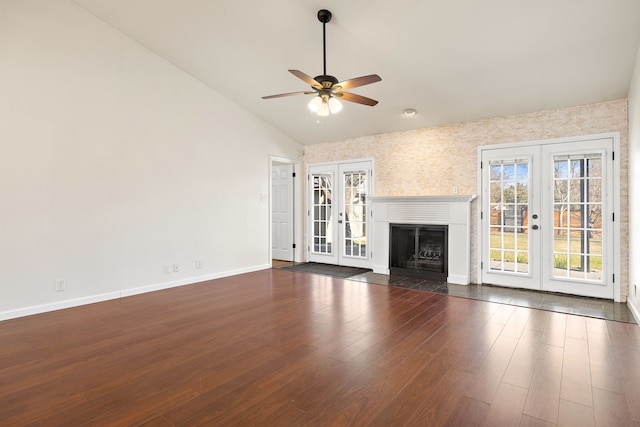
<point>535,227</point>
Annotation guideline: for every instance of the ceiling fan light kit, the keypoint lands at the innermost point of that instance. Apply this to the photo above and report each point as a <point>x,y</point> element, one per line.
<point>327,88</point>
<point>324,105</point>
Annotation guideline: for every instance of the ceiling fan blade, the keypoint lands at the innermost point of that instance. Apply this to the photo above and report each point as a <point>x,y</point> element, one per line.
<point>358,81</point>
<point>307,79</point>
<point>352,97</point>
<point>280,95</point>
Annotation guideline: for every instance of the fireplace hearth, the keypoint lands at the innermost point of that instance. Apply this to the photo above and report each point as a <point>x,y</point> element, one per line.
<point>417,250</point>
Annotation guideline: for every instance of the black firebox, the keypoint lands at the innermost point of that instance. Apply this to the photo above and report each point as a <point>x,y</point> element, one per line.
<point>418,251</point>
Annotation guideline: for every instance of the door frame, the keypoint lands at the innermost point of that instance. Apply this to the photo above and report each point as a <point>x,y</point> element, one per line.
<point>616,206</point>
<point>307,227</point>
<point>297,231</point>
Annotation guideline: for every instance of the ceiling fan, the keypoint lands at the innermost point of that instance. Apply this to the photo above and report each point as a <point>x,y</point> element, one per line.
<point>327,88</point>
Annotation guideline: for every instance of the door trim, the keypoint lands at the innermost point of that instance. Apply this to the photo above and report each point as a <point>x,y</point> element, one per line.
<point>616,208</point>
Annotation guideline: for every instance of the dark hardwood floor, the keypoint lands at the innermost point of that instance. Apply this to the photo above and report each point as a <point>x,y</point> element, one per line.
<point>278,347</point>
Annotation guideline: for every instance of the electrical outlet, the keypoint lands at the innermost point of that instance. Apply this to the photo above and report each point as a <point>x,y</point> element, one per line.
<point>198,263</point>
<point>455,189</point>
<point>176,268</point>
<point>60,285</point>
<point>166,269</point>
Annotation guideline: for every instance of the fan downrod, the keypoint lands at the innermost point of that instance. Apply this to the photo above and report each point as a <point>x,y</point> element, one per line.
<point>324,16</point>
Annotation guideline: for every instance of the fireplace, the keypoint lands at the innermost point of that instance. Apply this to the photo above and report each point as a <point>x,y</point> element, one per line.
<point>454,212</point>
<point>418,250</point>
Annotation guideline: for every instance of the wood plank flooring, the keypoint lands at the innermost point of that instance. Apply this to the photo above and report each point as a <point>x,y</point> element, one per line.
<point>278,347</point>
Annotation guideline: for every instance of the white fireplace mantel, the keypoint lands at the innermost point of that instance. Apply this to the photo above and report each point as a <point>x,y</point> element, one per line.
<point>454,211</point>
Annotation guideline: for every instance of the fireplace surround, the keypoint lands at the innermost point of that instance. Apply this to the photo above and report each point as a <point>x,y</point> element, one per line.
<point>452,211</point>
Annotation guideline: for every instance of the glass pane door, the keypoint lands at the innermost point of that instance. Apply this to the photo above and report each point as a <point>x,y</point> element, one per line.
<point>509,216</point>
<point>322,214</point>
<point>338,214</point>
<point>355,213</point>
<point>578,250</point>
<point>547,217</point>
<point>577,224</point>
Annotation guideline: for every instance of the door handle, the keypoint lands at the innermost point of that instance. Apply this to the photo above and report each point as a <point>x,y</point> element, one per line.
<point>339,221</point>
<point>535,227</point>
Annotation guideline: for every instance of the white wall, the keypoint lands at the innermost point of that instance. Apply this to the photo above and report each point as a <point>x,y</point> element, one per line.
<point>114,163</point>
<point>634,191</point>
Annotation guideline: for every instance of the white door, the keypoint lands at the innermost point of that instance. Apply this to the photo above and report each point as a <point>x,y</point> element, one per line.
<point>339,214</point>
<point>547,217</point>
<point>509,205</point>
<point>282,212</point>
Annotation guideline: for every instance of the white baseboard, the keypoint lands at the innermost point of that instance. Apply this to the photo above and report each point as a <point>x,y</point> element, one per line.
<point>634,310</point>
<point>458,280</point>
<point>61,305</point>
<point>378,269</point>
<point>190,280</point>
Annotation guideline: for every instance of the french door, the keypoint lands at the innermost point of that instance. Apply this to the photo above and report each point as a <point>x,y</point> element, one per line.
<point>547,217</point>
<point>339,213</point>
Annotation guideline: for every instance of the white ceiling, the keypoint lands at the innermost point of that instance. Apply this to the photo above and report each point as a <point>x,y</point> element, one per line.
<point>452,60</point>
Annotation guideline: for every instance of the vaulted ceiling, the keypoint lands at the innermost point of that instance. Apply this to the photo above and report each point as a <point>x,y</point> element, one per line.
<point>451,60</point>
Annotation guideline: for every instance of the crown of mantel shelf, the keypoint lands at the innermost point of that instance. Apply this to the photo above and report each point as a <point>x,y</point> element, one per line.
<point>423,199</point>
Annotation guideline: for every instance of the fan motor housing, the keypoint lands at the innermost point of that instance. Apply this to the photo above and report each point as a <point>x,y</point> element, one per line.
<point>326,81</point>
